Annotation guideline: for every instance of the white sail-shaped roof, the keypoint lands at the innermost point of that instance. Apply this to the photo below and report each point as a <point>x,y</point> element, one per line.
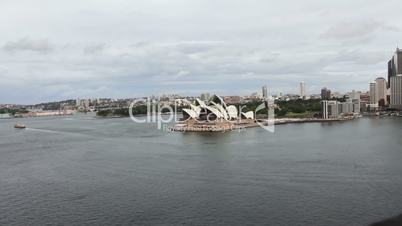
<point>200,103</point>
<point>221,109</point>
<point>217,99</point>
<point>215,111</point>
<point>197,109</point>
<point>208,109</point>
<point>232,112</point>
<point>191,113</point>
<point>248,115</point>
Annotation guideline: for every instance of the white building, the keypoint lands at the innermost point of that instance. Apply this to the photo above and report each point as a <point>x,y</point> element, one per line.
<point>381,89</point>
<point>396,92</point>
<point>215,109</point>
<point>335,109</point>
<point>265,92</point>
<point>373,92</point>
<point>303,93</point>
<point>329,109</point>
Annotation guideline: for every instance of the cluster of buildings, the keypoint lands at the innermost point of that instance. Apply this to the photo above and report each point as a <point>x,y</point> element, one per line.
<point>382,94</point>
<point>331,109</point>
<point>388,94</point>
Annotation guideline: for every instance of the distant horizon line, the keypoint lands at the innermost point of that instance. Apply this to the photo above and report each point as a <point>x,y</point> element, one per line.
<point>165,95</point>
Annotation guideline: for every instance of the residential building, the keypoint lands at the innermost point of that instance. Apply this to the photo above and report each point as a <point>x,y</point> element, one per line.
<point>335,109</point>
<point>329,109</point>
<point>373,92</point>
<point>381,91</point>
<point>345,107</point>
<point>325,94</point>
<point>303,90</point>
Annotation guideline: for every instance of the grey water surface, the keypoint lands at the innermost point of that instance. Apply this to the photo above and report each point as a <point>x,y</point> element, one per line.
<point>80,170</point>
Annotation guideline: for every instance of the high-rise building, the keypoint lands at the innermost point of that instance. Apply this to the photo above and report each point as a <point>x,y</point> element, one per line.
<point>265,92</point>
<point>325,94</point>
<point>396,92</point>
<point>302,90</point>
<point>373,92</point>
<point>381,90</point>
<point>395,65</point>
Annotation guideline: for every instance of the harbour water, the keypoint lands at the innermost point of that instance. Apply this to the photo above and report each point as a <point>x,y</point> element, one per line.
<point>81,170</point>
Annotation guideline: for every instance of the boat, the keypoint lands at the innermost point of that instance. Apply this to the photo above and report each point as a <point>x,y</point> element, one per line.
<point>19,126</point>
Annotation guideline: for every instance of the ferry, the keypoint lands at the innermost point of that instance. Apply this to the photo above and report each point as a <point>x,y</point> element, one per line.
<point>19,126</point>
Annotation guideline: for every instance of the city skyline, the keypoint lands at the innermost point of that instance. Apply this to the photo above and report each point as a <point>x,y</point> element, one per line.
<point>206,95</point>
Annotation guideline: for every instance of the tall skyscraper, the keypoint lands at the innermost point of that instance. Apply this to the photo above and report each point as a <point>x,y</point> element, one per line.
<point>373,92</point>
<point>302,90</point>
<point>265,92</point>
<point>381,90</point>
<point>396,92</point>
<point>395,65</point>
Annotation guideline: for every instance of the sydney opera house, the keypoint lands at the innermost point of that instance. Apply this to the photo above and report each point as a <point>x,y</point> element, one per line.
<point>213,115</point>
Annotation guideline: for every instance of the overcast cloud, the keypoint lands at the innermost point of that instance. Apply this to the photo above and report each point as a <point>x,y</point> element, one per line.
<point>54,50</point>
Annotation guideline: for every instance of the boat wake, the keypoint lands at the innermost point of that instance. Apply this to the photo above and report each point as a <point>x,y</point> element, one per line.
<point>57,132</point>
<point>45,130</point>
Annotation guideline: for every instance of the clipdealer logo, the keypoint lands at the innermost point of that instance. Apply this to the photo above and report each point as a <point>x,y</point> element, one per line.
<point>163,114</point>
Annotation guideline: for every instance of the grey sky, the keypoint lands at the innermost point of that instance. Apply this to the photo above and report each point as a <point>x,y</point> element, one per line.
<point>53,50</point>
